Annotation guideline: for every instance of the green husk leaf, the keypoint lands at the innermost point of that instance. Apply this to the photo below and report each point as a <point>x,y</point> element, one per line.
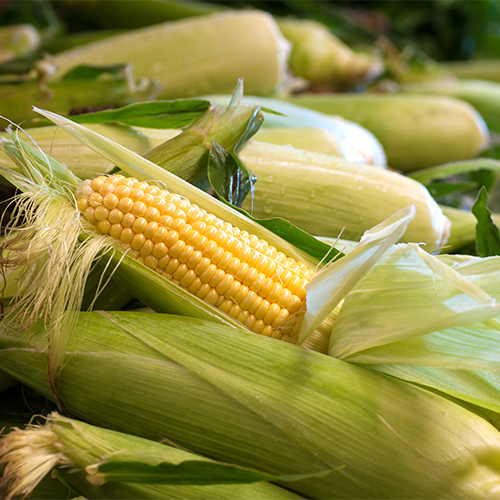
<point>487,233</point>
<point>426,176</point>
<point>154,114</point>
<point>230,179</point>
<point>333,283</point>
<point>190,472</point>
<point>419,310</point>
<point>438,189</point>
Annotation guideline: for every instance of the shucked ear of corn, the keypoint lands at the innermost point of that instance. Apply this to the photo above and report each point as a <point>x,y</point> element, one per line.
<point>264,404</point>
<point>98,463</point>
<point>416,131</point>
<point>196,56</point>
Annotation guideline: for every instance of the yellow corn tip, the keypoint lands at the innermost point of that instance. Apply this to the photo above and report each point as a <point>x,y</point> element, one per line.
<point>240,274</point>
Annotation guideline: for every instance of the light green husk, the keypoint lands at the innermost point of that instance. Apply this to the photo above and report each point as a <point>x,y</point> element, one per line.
<point>416,131</point>
<point>483,95</point>
<point>260,403</point>
<point>328,197</point>
<point>191,57</point>
<point>475,69</point>
<point>17,41</point>
<point>319,56</point>
<point>88,451</point>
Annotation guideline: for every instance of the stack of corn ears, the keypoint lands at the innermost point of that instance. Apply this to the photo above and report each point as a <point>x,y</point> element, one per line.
<point>251,400</point>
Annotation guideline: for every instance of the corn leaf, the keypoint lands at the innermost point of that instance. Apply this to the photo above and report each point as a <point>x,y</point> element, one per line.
<point>426,176</point>
<point>154,114</point>
<point>414,309</point>
<point>487,233</point>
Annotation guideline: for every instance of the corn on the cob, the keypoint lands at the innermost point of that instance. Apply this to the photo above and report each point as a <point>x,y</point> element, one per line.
<point>416,131</point>
<point>238,273</point>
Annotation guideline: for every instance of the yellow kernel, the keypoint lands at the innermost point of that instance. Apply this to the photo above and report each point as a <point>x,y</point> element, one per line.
<point>226,306</point>
<point>217,256</point>
<point>244,253</point>
<point>201,243</point>
<point>225,260</point>
<point>101,213</point>
<point>185,231</point>
<point>272,313</point>
<point>166,275</point>
<point>276,333</point>
<point>125,205</point>
<point>122,191</point>
<point>267,331</point>
<point>199,226</point>
<point>127,181</point>
<point>186,254</point>
<point>210,249</point>
<point>159,203</point>
<point>180,214</point>
<point>235,310</point>
<point>250,321</point>
<point>151,262</point>
<point>172,266</point>
<point>282,317</point>
<point>253,258</point>
<point>180,271</point>
<point>103,227</point>
<point>195,286</point>
<point>106,188</point>
<point>98,182</point>
<point>194,213</point>
<point>233,266</point>
<point>139,225</point>
<point>275,293</point>
<point>126,235</point>
<point>234,246</point>
<point>163,261</point>
<point>249,299</point>
<point>285,298</point>
<point>139,209</point>
<point>208,274</point>
<point>176,249</point>
<point>160,250</point>
<point>250,276</point>
<point>159,235</point>
<point>241,272</point>
<point>266,287</point>
<point>136,194</point>
<point>147,248</point>
<point>89,212</point>
<point>95,199</point>
<point>262,309</point>
<point>82,204</point>
<point>258,326</point>
<point>137,241</point>
<point>171,238</point>
<point>257,283</point>
<point>128,220</point>
<point>242,317</point>
<point>203,290</point>
<point>241,294</point>
<point>212,297</point>
<point>150,229</point>
<point>193,237</point>
<point>188,278</point>
<point>151,190</point>
<point>217,277</point>
<point>178,224</point>
<point>147,199</point>
<point>294,304</point>
<point>115,216</point>
<point>210,232</point>
<point>202,266</point>
<point>115,230</point>
<point>301,290</point>
<point>168,209</point>
<point>261,263</point>
<point>165,221</point>
<point>232,292</point>
<point>195,259</point>
<point>285,276</point>
<point>224,284</point>
<point>255,305</point>
<point>152,214</point>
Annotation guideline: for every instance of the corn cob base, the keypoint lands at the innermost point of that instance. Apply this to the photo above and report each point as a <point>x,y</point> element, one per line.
<point>236,272</point>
